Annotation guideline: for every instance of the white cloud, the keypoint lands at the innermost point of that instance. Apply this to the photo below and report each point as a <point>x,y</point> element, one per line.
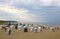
<point>33,3</point>
<point>20,14</point>
<point>9,9</point>
<point>46,2</point>
<point>56,3</point>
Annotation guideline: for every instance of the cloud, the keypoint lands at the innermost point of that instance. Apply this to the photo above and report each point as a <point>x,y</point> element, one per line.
<point>9,9</point>
<point>30,10</point>
<point>31,2</point>
<point>46,2</point>
<point>35,2</point>
<point>19,14</point>
<point>56,3</point>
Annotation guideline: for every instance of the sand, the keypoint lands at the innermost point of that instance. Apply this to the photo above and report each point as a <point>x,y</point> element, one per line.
<point>45,34</point>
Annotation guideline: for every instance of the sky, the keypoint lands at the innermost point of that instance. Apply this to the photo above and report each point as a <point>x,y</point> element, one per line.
<point>37,11</point>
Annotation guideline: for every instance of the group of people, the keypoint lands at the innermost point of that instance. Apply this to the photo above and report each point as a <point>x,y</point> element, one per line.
<point>8,28</point>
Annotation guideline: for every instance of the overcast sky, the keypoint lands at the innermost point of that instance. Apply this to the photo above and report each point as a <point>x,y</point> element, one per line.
<point>41,11</point>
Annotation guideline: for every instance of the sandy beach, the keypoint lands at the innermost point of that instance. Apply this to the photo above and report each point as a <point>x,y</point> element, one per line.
<point>45,34</point>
